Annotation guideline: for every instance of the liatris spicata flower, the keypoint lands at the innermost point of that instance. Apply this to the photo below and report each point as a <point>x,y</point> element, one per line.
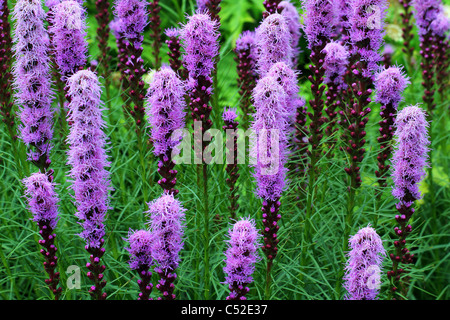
<point>341,13</point>
<point>132,16</point>
<point>441,26</point>
<point>103,30</point>
<point>141,260</point>
<point>200,42</point>
<point>42,201</point>
<point>173,43</point>
<point>389,86</point>
<point>166,225</point>
<point>273,41</point>
<point>88,160</point>
<point>212,6</point>
<point>155,27</point>
<point>290,14</point>
<point>241,257</point>
<point>409,162</point>
<point>335,64</point>
<point>229,118</point>
<point>165,110</point>
<point>269,154</point>
<point>365,259</point>
<point>67,28</point>
<point>407,25</point>
<point>246,55</point>
<point>388,51</point>
<point>32,81</point>
<point>6,105</point>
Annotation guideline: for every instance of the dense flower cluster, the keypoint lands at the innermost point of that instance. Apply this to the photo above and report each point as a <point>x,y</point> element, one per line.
<point>88,160</point>
<point>165,110</point>
<point>141,260</point>
<point>32,80</point>
<point>290,14</point>
<point>67,28</point>
<point>174,46</point>
<point>365,259</point>
<point>167,226</point>
<point>241,257</point>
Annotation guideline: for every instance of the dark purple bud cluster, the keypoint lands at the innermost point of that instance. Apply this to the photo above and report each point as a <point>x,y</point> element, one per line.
<point>407,26</point>
<point>155,27</point>
<point>271,216</point>
<point>165,284</point>
<point>174,52</point>
<point>103,30</point>
<point>96,269</point>
<point>213,7</point>
<point>271,6</point>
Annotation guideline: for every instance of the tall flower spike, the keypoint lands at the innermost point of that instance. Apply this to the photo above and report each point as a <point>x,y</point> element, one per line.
<point>141,260</point>
<point>341,14</point>
<point>241,257</point>
<point>174,53</point>
<point>6,103</point>
<point>68,30</point>
<point>389,86</point>
<point>155,26</point>
<point>409,162</point>
<point>103,31</point>
<point>166,225</point>
<point>231,125</point>
<point>335,64</point>
<point>32,81</point>
<point>88,160</point>
<point>132,17</point>
<point>269,158</point>
<point>363,269</point>
<point>165,110</point>
<point>42,201</point>
<point>290,14</point>
<point>273,41</point>
<point>246,55</point>
<point>200,42</point>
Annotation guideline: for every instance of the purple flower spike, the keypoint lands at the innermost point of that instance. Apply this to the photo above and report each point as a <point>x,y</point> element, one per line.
<point>88,160</point>
<point>155,27</point>
<point>290,14</point>
<point>363,269</point>
<point>165,110</point>
<point>229,118</point>
<point>426,13</point>
<point>32,81</point>
<point>174,53</point>
<point>341,14</point>
<point>141,260</point>
<point>241,257</point>
<point>389,85</point>
<point>68,30</point>
<point>318,26</point>
<point>273,41</point>
<point>42,200</point>
<point>246,56</point>
<point>409,162</point>
<point>166,225</point>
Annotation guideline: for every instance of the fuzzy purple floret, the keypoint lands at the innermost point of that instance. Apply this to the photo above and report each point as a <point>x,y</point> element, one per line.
<point>167,226</point>
<point>389,85</point>
<point>367,31</point>
<point>318,18</point>
<point>201,5</point>
<point>241,255</point>
<point>165,109</point>
<point>42,199</point>
<point>290,13</point>
<point>273,41</point>
<point>247,41</point>
<point>172,32</point>
<point>32,77</point>
<point>270,122</point>
<point>441,25</point>
<point>200,42</point>
<point>140,249</point>
<point>364,265</point>
<point>132,16</point>
<point>68,29</point>
<point>410,156</point>
<point>335,64</point>
<point>428,13</point>
<point>87,156</point>
<point>229,114</point>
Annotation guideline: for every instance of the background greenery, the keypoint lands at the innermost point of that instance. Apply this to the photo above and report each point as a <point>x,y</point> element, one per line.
<point>134,179</point>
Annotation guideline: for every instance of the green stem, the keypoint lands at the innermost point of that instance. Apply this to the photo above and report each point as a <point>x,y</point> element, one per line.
<point>206,231</point>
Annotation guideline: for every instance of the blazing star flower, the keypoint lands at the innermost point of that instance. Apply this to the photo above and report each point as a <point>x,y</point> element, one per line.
<point>42,200</point>
<point>335,64</point>
<point>141,260</point>
<point>341,12</point>
<point>133,17</point>
<point>318,26</point>
<point>362,272</point>
<point>32,80</point>
<point>273,41</point>
<point>290,14</point>
<point>428,14</point>
<point>174,53</point>
<point>166,225</point>
<point>68,29</point>
<point>410,155</point>
<point>241,257</point>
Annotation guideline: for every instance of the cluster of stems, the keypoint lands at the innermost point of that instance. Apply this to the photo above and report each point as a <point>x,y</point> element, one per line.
<point>155,27</point>
<point>6,103</point>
